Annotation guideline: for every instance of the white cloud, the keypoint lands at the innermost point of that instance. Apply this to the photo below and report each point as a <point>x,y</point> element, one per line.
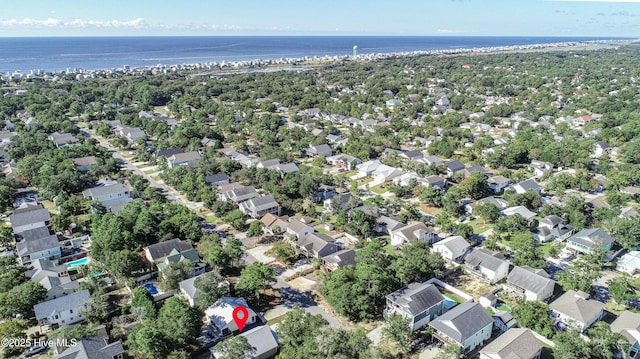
<point>138,23</point>
<point>448,31</point>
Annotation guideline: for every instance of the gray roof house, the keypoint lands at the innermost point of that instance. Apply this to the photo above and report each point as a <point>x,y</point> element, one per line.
<point>628,324</point>
<point>217,179</point>
<point>237,193</point>
<point>530,283</point>
<point>587,240</point>
<point>411,232</point>
<point>29,217</point>
<point>93,348</point>
<point>340,259</point>
<point>316,245</point>
<point>37,243</point>
<point>453,167</point>
<point>320,150</point>
<point>62,139</point>
<point>467,325</point>
<point>53,277</point>
<point>262,339</point>
<point>452,248</point>
<point>64,310</point>
<point>575,309</point>
<point>191,292</point>
<point>553,227</point>
<point>113,196</point>
<point>516,343</point>
<point>183,159</point>
<point>259,206</point>
<point>524,186</point>
<point>487,265</point>
<point>498,183</point>
<point>157,252</point>
<point>419,302</point>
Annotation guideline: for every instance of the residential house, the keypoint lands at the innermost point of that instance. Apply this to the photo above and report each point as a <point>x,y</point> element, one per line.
<point>524,186</point>
<point>386,225</point>
<point>452,248</point>
<point>220,315</point>
<point>575,309</point>
<point>317,245</point>
<point>322,150</point>
<point>411,232</point>
<point>339,202</point>
<point>601,148</point>
<point>259,206</point>
<point>435,182</point>
<point>553,227</point>
<point>369,167</point>
<point>588,239</point>
<point>83,164</point>
<point>177,256</point>
<point>419,302</point>
<point>540,168</point>
<point>498,183</point>
<point>53,277</point>
<point>37,243</point>
<point>344,162</point>
<point>487,265</point>
<point>284,168</point>
<point>62,311</point>
<point>454,167</point>
<point>385,173</point>
<point>166,153</point>
<point>631,190</point>
<point>112,195</point>
<point>468,171</point>
<point>190,290</point>
<point>93,348</point>
<point>629,263</point>
<point>414,155</point>
<point>433,160</point>
<point>516,343</point>
<point>263,340</point>
<point>217,180</point>
<point>268,163</point>
<point>271,223</point>
<point>498,202</point>
<point>503,320</point>
<point>298,229</point>
<point>183,159</point>
<point>628,325</point>
<point>325,192</point>
<point>339,259</point>
<point>63,139</point>
<point>467,325</point>
<point>131,133</point>
<point>236,192</point>
<point>29,217</point>
<point>159,251</point>
<point>405,179</point>
<point>521,210</point>
<point>530,283</point>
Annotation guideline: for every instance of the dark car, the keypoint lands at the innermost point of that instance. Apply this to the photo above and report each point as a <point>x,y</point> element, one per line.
<point>34,350</point>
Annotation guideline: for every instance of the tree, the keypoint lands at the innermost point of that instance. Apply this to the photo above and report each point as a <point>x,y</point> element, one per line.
<point>399,329</point>
<point>475,186</point>
<point>284,252</point>
<point>526,252</point>
<point>620,290</point>
<point>179,323</point>
<point>148,340</point>
<point>211,286</point>
<point>298,328</point>
<point>534,315</point>
<point>235,348</point>
<point>142,304</point>
<point>175,273</point>
<point>14,329</point>
<point>488,211</point>
<point>255,229</point>
<point>417,263</point>
<point>582,272</point>
<point>236,219</point>
<point>125,263</point>
<point>605,344</point>
<point>255,278</point>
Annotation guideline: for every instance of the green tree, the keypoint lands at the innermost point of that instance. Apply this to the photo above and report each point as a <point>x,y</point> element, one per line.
<point>149,341</point>
<point>175,273</point>
<point>570,345</point>
<point>236,219</point>
<point>418,264</point>
<point>235,348</point>
<point>255,278</point>
<point>125,263</point>
<point>284,252</point>
<point>488,211</point>
<point>620,290</point>
<point>211,286</point>
<point>526,252</point>
<point>14,329</point>
<point>399,330</point>
<point>142,304</point>
<point>179,323</point>
<point>534,315</point>
<point>255,229</point>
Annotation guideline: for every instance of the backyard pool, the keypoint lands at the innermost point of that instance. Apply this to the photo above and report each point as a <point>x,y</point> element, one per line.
<point>78,262</point>
<point>151,288</point>
<point>448,303</point>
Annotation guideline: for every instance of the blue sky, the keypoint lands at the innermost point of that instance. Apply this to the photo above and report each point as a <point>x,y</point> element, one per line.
<point>320,17</point>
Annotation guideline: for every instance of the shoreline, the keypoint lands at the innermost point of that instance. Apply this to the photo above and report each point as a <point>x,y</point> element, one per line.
<point>290,64</point>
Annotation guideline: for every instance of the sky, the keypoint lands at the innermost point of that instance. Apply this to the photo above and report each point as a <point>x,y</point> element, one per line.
<point>603,18</point>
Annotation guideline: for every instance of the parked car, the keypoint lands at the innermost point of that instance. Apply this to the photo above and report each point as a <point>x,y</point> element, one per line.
<point>34,350</point>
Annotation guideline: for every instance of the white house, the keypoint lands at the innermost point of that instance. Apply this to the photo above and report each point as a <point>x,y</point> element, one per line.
<point>298,229</point>
<point>467,325</point>
<point>62,311</point>
<point>487,265</point>
<point>498,183</point>
<point>628,324</point>
<point>516,343</point>
<point>410,232</point>
<point>220,315</point>
<point>112,195</point>
<point>419,302</point>
<point>262,339</point>
<point>540,168</point>
<point>629,263</point>
<point>29,217</point>
<point>575,309</point>
<point>530,283</point>
<point>452,248</point>
<point>601,148</point>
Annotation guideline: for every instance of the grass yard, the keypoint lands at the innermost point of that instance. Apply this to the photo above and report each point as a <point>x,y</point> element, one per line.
<point>212,219</point>
<point>468,283</point>
<point>148,172</point>
<point>451,296</point>
<point>479,226</point>
<point>378,190</point>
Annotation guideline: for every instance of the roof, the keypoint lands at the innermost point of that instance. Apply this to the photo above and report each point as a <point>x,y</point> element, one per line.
<point>521,210</point>
<point>630,260</point>
<point>27,247</point>
<point>529,185</point>
<point>92,348</point>
<point>455,244</point>
<point>576,305</point>
<point>315,241</point>
<point>462,321</point>
<point>343,258</point>
<point>409,231</point>
<point>62,138</point>
<point>533,280</point>
<point>296,226</point>
<point>168,152</point>
<point>589,237</point>
<point>220,313</point>
<point>262,338</point>
<point>216,178</point>
<point>454,166</point>
<point>260,203</point>
<point>29,215</point>
<point>319,148</point>
<point>33,234</point>
<point>72,301</point>
<point>163,249</point>
<point>85,161</point>
<point>515,343</point>
<point>184,157</point>
<point>105,190</point>
<point>498,180</point>
<point>483,258</point>
<point>551,220</point>
<point>416,297</point>
<point>498,202</point>
<point>628,324</point>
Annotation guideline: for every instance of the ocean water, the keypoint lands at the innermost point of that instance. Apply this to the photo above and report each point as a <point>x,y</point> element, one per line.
<point>60,53</point>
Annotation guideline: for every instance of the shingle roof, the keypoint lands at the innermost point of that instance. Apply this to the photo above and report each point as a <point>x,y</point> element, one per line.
<point>530,279</point>
<point>27,247</point>
<point>85,161</point>
<point>29,215</point>
<point>462,321</point>
<point>315,241</point>
<point>455,244</point>
<point>515,343</point>
<point>163,249</point>
<point>416,297</point>
<point>72,301</point>
<point>216,178</point>
<point>260,203</point>
<point>105,190</point>
<point>343,258</point>
<point>409,231</point>
<point>576,305</point>
<point>92,348</point>
<point>628,324</point>
<point>590,237</point>
<point>484,258</point>
<point>262,338</point>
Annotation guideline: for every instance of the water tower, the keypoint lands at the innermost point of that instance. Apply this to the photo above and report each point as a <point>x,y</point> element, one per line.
<point>355,50</point>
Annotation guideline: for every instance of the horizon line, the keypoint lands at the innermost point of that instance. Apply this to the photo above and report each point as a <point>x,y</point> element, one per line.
<point>323,35</point>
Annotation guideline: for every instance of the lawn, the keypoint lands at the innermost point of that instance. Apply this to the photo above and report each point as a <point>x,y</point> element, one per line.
<point>452,296</point>
<point>212,219</point>
<point>364,181</point>
<point>391,250</point>
<point>479,226</point>
<point>547,248</point>
<point>378,190</point>
<point>148,172</point>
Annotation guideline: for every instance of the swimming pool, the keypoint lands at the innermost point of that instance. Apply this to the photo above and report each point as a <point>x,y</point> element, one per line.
<point>151,288</point>
<point>448,303</point>
<point>78,262</point>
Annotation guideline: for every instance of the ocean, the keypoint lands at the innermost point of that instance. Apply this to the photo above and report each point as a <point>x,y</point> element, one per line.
<point>53,54</point>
